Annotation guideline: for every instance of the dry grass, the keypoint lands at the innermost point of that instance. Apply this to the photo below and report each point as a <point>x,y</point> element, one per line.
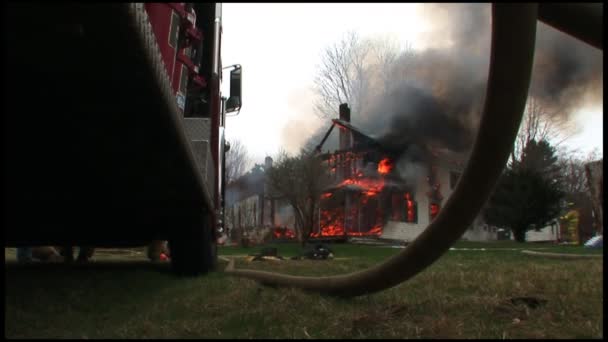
<point>465,294</point>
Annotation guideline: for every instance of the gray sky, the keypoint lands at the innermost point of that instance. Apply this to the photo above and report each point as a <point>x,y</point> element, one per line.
<point>279,47</point>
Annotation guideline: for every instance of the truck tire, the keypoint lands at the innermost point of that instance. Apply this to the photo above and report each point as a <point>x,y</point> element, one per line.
<point>194,252</point>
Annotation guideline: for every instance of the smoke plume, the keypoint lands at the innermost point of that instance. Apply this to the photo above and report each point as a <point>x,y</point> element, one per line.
<point>567,73</point>
<point>435,96</point>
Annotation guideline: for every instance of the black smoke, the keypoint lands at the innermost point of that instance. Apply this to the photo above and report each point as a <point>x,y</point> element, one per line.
<point>567,73</point>
<point>437,95</point>
<point>422,118</point>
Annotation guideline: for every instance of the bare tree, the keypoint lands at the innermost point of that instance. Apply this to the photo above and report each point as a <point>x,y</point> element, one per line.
<point>392,58</point>
<point>340,74</point>
<point>351,67</point>
<point>578,194</point>
<point>572,168</point>
<point>300,180</point>
<point>237,161</point>
<point>537,125</point>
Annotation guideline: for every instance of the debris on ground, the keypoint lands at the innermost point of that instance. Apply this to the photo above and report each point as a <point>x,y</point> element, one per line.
<point>263,258</point>
<point>267,253</point>
<point>317,252</point>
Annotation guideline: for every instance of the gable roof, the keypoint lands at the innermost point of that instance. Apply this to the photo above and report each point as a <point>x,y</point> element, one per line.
<point>252,183</point>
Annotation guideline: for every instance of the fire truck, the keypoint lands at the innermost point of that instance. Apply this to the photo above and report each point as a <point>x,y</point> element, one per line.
<point>113,127</point>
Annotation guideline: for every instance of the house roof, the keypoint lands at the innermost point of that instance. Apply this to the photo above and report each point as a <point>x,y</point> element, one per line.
<point>361,140</point>
<point>252,183</point>
<point>364,142</point>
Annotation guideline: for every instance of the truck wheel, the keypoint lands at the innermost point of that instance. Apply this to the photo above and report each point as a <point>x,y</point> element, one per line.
<point>194,252</point>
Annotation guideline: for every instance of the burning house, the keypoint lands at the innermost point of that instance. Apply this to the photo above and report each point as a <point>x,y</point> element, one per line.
<point>378,191</point>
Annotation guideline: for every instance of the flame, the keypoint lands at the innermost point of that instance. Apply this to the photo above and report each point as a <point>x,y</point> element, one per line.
<point>369,186</point>
<point>410,208</point>
<point>371,193</point>
<point>377,230</point>
<point>385,166</point>
<point>283,232</point>
<point>434,210</point>
<point>332,221</point>
<point>332,224</point>
<point>434,194</point>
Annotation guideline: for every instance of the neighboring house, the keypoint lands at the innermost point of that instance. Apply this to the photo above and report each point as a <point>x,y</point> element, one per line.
<point>480,231</point>
<point>549,233</point>
<point>250,210</point>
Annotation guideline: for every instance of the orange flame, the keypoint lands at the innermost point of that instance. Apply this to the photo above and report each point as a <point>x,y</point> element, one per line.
<point>283,232</point>
<point>410,208</point>
<point>434,193</point>
<point>434,210</point>
<point>370,186</point>
<point>385,166</point>
<point>332,222</point>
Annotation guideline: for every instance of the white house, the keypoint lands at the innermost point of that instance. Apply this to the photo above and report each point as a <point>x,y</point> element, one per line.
<point>549,233</point>
<point>448,173</point>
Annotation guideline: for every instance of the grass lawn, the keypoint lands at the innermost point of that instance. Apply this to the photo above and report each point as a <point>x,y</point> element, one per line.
<point>466,294</point>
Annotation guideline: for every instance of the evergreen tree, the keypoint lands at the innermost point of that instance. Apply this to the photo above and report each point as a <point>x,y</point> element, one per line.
<point>528,195</point>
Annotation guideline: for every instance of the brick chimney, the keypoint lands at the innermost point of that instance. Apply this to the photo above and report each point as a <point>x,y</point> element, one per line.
<point>345,142</point>
<point>344,133</point>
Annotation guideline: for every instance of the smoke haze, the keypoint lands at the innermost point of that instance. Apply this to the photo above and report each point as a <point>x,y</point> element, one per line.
<point>435,97</point>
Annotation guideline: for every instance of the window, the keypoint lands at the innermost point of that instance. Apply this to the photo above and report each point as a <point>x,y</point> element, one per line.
<point>404,209</point>
<point>433,210</point>
<point>174,32</point>
<point>183,84</point>
<point>411,209</point>
<point>396,206</point>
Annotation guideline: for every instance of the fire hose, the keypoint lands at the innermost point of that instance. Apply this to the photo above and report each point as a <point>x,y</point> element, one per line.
<point>511,59</point>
